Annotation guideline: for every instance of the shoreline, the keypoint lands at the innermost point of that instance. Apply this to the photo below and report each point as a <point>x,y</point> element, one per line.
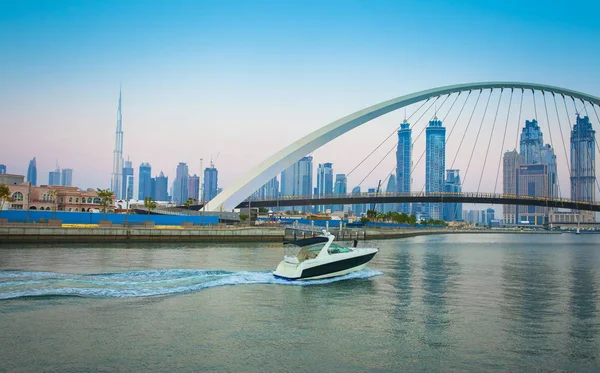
<point>59,235</point>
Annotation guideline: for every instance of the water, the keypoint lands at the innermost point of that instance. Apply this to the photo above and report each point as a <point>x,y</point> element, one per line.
<point>485,303</point>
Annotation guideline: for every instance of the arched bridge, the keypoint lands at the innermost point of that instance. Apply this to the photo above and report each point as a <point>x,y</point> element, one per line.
<point>233,195</point>
<point>378,198</point>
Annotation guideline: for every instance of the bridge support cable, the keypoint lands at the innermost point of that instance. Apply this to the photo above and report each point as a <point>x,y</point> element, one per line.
<point>390,135</point>
<point>477,137</point>
<point>519,120</point>
<point>487,150</point>
<point>560,129</point>
<point>552,143</point>
<point>597,146</point>
<point>467,128</point>
<point>512,90</point>
<point>447,138</point>
<point>424,128</point>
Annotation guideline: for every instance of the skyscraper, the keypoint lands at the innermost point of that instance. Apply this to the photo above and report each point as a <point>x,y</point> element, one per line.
<point>144,176</point>
<point>2,169</point>
<point>117,176</point>
<point>390,188</point>
<point>161,186</point>
<point>435,165</point>
<point>532,180</point>
<point>268,191</point>
<point>324,183</point>
<point>127,187</point>
<point>180,184</point>
<point>452,211</point>
<point>358,210</point>
<point>531,142</point>
<point>340,187</point>
<point>296,180</point>
<point>194,187</point>
<point>583,161</point>
<point>32,172</point>
<point>54,177</point>
<point>66,178</point>
<point>403,163</point>
<point>510,163</point>
<point>211,183</point>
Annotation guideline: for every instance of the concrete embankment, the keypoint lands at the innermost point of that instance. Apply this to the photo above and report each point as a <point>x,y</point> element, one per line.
<point>32,234</point>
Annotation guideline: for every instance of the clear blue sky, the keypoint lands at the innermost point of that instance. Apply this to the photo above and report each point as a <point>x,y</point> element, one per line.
<point>245,78</point>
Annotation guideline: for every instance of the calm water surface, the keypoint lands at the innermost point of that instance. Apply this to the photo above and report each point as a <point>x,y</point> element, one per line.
<point>425,304</point>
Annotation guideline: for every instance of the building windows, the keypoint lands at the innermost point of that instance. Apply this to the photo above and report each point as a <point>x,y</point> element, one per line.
<point>89,200</point>
<point>97,200</point>
<point>17,196</point>
<point>16,207</point>
<point>70,200</point>
<point>76,200</point>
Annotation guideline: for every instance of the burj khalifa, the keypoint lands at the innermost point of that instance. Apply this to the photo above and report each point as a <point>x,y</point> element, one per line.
<point>117,174</point>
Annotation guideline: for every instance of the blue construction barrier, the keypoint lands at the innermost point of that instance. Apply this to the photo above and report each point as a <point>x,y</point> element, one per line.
<point>93,218</point>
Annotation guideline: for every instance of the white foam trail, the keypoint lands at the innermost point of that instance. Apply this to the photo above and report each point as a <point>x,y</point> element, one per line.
<point>18,284</point>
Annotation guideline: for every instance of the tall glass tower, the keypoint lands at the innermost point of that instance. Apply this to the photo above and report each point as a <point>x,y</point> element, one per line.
<point>452,211</point>
<point>127,187</point>
<point>117,176</point>
<point>211,182</point>
<point>583,161</point>
<point>32,172</point>
<point>145,188</point>
<point>532,142</point>
<point>180,184</point>
<point>340,187</point>
<point>435,165</point>
<point>66,177</point>
<point>324,182</point>
<point>404,163</point>
<point>390,188</point>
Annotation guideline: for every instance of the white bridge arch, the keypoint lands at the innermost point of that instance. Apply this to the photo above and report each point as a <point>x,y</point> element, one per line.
<point>229,198</point>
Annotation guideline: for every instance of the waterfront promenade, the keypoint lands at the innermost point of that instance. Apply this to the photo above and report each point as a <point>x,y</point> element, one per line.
<point>92,233</point>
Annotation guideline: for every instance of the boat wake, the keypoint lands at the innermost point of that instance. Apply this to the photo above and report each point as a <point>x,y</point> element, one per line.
<point>27,284</point>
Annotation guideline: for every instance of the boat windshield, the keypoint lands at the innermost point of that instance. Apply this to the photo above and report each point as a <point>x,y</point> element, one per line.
<point>337,249</point>
<point>310,252</point>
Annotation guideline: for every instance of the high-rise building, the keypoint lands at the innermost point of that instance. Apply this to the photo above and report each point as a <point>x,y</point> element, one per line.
<point>66,177</point>
<point>126,188</point>
<point>268,191</point>
<point>54,177</point>
<point>211,183</point>
<point>144,176</point>
<point>296,180</point>
<point>435,165</point>
<point>532,180</point>
<point>194,187</point>
<point>583,161</point>
<point>404,163</point>
<point>32,172</point>
<point>390,188</point>
<point>359,209</point>
<point>161,187</point>
<point>490,214</point>
<point>531,143</point>
<point>549,159</point>
<point>510,164</point>
<point>180,184</point>
<point>452,211</point>
<point>340,187</point>
<point>117,176</point>
<point>2,169</point>
<point>324,183</point>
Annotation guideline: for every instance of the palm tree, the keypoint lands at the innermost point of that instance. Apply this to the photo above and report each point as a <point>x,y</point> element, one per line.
<point>149,204</point>
<point>53,194</point>
<point>106,198</point>
<point>371,214</point>
<point>4,196</point>
<point>190,201</point>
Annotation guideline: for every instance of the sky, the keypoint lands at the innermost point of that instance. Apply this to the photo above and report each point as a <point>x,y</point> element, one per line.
<point>236,81</point>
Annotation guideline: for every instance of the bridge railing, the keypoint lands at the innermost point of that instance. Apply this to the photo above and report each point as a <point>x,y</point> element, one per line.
<point>415,194</point>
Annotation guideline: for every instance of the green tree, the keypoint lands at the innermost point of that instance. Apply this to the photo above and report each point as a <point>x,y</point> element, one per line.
<point>263,210</point>
<point>4,196</point>
<point>412,220</point>
<point>371,214</point>
<point>364,220</point>
<point>149,204</point>
<point>189,203</point>
<point>106,199</point>
<point>243,217</point>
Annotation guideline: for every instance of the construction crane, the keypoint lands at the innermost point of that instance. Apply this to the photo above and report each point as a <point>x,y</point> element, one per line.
<point>212,163</point>
<point>373,205</point>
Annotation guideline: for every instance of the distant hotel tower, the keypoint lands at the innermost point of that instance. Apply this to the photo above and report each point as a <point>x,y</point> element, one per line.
<point>435,165</point>
<point>117,176</point>
<point>403,163</point>
<point>324,183</point>
<point>144,181</point>
<point>32,172</point>
<point>583,161</point>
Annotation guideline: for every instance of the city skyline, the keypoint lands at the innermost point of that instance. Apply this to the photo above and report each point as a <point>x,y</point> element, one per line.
<point>314,89</point>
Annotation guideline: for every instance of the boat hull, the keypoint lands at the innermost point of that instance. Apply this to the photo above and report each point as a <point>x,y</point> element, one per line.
<point>318,270</point>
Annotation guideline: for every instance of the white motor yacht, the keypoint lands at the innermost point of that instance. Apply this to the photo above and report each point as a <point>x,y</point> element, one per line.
<point>318,257</point>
